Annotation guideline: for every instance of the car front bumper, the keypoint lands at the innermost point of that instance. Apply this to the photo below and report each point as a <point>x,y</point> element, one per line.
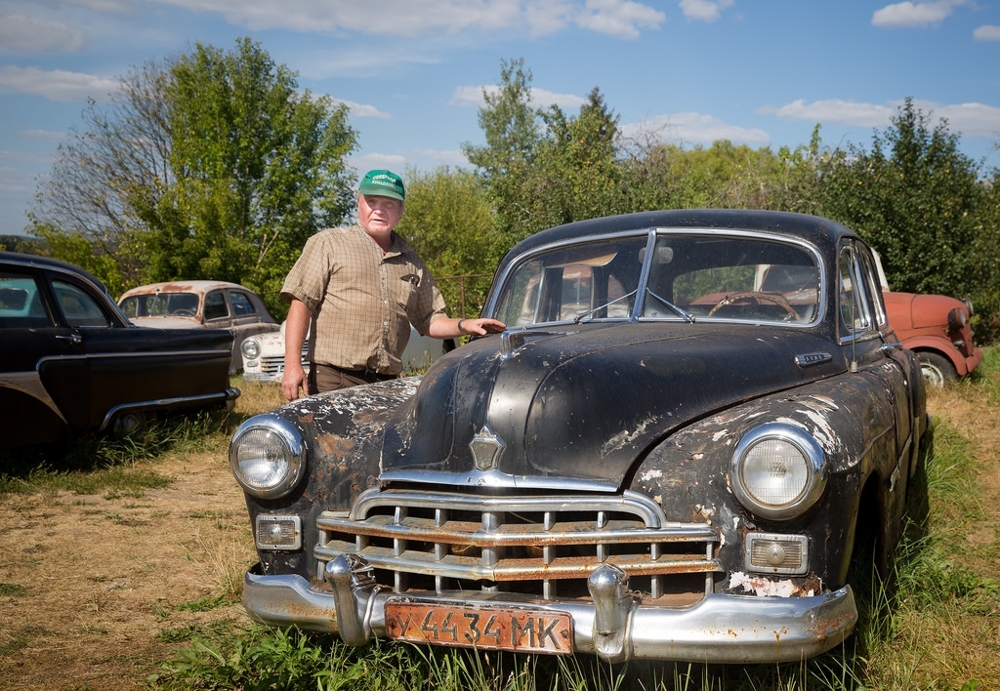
<point>720,628</point>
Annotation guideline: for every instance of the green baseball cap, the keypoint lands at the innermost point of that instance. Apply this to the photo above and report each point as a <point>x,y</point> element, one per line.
<point>382,183</point>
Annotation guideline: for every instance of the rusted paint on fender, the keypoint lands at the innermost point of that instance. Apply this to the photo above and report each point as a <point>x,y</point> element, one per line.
<point>342,431</point>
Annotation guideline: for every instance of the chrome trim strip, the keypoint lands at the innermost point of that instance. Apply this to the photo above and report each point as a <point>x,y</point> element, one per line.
<point>156,403</point>
<point>495,478</point>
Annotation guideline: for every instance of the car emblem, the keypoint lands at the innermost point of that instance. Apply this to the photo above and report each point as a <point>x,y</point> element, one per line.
<point>486,449</point>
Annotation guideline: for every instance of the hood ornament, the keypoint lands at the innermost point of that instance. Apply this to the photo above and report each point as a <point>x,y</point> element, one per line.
<point>486,449</point>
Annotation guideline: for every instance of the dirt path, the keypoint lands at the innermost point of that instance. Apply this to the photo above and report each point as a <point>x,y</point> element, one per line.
<point>92,581</point>
<point>89,584</point>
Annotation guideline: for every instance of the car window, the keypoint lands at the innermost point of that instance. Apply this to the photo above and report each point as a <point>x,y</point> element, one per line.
<point>215,305</point>
<point>79,308</point>
<point>737,278</point>
<point>856,304</point>
<point>21,303</point>
<point>241,304</point>
<point>160,305</point>
<point>592,280</point>
<point>689,276</point>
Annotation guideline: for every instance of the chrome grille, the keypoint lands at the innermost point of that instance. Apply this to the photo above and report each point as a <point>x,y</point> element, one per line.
<point>545,545</point>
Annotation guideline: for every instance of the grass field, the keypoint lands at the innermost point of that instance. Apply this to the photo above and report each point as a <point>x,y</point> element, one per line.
<point>933,626</point>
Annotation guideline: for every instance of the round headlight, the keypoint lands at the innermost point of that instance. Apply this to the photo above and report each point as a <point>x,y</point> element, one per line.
<point>250,348</point>
<point>778,471</point>
<point>266,456</point>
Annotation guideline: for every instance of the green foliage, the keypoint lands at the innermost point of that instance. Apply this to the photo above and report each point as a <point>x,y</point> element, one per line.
<point>511,128</point>
<point>259,168</point>
<point>213,166</point>
<point>448,222</point>
<point>22,244</point>
<point>75,248</point>
<point>918,200</point>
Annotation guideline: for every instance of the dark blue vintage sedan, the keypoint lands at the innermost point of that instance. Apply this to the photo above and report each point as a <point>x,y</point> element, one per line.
<point>692,425</point>
<point>71,364</point>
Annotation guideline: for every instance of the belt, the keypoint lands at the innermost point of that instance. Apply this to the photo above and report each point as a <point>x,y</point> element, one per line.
<point>369,375</point>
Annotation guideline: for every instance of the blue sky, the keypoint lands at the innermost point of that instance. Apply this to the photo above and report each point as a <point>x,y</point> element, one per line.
<point>413,71</point>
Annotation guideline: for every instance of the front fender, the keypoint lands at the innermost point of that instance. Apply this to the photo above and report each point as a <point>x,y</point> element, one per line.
<point>342,433</point>
<point>688,473</point>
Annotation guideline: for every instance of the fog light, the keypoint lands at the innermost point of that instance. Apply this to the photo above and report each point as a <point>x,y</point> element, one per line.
<point>278,532</point>
<point>771,553</point>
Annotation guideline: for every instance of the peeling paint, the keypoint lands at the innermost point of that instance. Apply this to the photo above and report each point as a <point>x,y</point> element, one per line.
<point>765,587</point>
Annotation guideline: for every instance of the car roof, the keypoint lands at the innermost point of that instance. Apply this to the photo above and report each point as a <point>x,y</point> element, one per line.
<point>39,262</point>
<point>822,232</point>
<point>193,286</point>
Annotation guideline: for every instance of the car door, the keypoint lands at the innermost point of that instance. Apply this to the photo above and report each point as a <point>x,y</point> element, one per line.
<point>885,401</point>
<point>44,376</point>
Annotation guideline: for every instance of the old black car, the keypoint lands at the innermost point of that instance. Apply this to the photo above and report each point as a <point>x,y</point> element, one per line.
<point>691,422</point>
<point>72,364</point>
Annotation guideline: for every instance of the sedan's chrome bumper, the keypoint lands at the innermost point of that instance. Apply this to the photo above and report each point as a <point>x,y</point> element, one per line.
<point>718,629</point>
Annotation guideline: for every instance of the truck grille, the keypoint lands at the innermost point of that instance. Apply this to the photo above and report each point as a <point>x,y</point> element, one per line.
<point>545,545</point>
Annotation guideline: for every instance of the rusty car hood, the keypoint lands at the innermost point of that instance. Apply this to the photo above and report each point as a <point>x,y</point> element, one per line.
<point>579,406</point>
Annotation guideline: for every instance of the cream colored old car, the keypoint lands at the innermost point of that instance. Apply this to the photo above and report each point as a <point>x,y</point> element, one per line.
<point>207,304</point>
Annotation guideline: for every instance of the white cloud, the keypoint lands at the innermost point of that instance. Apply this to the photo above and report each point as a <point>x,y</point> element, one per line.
<point>704,10</point>
<point>620,18</point>
<point>539,98</point>
<point>57,85</point>
<point>909,14</point>
<point>967,119</point>
<point>361,110</point>
<point>104,6</point>
<point>22,34</point>
<point>987,32</point>
<point>834,111</point>
<point>692,128</point>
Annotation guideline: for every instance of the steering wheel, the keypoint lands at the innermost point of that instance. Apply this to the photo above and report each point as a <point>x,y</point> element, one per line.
<point>182,313</point>
<point>759,296</point>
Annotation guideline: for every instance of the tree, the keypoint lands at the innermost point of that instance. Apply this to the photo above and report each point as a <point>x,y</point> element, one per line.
<point>511,129</point>
<point>544,167</point>
<point>449,222</point>
<point>103,175</point>
<point>214,166</point>
<point>916,198</point>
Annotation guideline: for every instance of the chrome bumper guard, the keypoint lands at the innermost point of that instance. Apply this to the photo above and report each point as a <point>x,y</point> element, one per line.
<point>720,628</point>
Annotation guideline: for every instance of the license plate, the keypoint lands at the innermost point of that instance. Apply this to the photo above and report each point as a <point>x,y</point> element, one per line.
<point>493,628</point>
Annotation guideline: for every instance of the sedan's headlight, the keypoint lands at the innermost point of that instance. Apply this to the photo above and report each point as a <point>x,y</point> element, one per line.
<point>266,456</point>
<point>250,348</point>
<point>778,471</point>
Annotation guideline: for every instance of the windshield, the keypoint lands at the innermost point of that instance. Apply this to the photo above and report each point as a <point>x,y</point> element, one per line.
<point>160,305</point>
<point>687,277</point>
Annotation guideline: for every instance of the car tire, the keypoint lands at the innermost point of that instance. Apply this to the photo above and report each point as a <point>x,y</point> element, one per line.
<point>937,369</point>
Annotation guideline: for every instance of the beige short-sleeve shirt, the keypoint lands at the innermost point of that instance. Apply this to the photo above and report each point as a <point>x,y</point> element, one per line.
<point>362,300</point>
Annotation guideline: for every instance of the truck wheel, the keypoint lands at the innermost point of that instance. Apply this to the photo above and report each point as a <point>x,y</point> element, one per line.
<point>937,370</point>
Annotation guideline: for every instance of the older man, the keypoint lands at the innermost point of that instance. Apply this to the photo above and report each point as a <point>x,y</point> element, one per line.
<point>360,287</point>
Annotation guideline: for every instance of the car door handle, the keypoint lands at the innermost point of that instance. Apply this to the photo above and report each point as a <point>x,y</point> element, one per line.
<point>887,348</point>
<point>75,339</point>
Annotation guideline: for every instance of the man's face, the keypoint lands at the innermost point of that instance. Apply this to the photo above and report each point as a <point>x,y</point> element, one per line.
<point>379,215</point>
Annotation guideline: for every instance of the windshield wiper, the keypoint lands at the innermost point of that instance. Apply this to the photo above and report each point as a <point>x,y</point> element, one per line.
<point>680,311</point>
<point>580,316</point>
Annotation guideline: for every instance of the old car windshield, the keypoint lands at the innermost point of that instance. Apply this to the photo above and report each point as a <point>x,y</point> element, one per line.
<point>160,305</point>
<point>688,276</point>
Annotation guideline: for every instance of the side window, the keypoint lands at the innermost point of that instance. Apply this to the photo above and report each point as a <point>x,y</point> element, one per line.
<point>241,304</point>
<point>79,308</point>
<point>855,303</point>
<point>874,290</point>
<point>215,305</point>
<point>21,303</point>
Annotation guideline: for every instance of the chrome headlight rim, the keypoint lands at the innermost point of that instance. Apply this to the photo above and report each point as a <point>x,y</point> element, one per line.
<point>814,465</point>
<point>293,456</point>
<point>250,348</point>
